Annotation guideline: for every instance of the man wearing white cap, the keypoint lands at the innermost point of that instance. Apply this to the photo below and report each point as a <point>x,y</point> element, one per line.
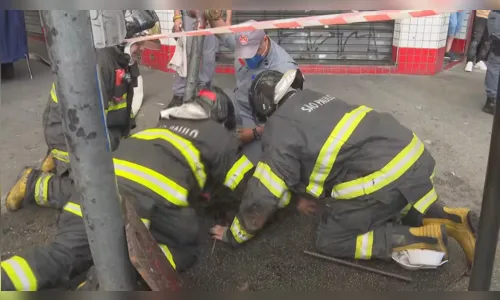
<point>254,53</point>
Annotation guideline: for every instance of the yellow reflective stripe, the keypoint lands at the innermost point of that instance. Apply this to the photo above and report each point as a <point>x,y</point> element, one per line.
<point>184,146</point>
<point>285,199</point>
<point>237,172</point>
<point>379,179</point>
<point>146,222</point>
<point>81,285</point>
<point>20,274</point>
<point>169,255</point>
<point>60,155</point>
<point>112,105</point>
<point>331,148</point>
<point>433,174</point>
<point>53,94</point>
<point>73,208</point>
<point>364,246</point>
<point>42,189</point>
<point>239,234</point>
<point>152,180</point>
<point>426,201</point>
<point>270,180</point>
<point>406,209</point>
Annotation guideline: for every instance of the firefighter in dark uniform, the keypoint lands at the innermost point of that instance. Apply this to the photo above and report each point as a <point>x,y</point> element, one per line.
<point>164,169</point>
<point>493,63</point>
<point>364,165</point>
<point>119,72</point>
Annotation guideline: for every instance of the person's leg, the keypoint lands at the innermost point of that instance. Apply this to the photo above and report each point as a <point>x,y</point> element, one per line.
<point>43,189</point>
<point>452,27</point>
<point>477,36</point>
<point>484,48</point>
<point>176,230</point>
<point>491,82</point>
<point>53,265</point>
<point>208,64</point>
<point>366,229</point>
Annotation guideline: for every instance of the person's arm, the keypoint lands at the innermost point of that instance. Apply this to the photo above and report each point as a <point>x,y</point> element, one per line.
<point>248,135</point>
<point>267,191</point>
<point>229,40</point>
<point>229,17</point>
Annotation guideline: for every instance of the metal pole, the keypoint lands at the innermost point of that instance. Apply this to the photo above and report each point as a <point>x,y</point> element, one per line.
<point>360,267</point>
<point>71,48</point>
<point>489,221</point>
<point>194,60</point>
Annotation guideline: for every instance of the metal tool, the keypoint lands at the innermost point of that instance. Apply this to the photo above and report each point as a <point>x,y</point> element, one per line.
<point>357,266</point>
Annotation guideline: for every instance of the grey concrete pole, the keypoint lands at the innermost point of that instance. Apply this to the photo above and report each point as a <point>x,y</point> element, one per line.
<point>194,61</point>
<point>489,221</point>
<point>71,48</point>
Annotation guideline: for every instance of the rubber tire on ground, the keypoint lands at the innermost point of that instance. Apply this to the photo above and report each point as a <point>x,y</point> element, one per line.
<point>8,71</point>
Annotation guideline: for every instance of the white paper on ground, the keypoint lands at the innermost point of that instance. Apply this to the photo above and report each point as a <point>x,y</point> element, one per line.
<point>418,259</point>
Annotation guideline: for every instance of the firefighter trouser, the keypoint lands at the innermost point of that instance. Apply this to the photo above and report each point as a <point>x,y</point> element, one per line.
<point>361,228</point>
<point>493,64</point>
<point>69,254</point>
<point>49,189</point>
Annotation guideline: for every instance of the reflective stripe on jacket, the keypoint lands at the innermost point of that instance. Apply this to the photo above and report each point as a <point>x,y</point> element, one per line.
<point>322,147</point>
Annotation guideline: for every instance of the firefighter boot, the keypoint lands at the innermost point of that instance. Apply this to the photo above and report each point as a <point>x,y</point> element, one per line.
<point>17,193</point>
<point>48,164</point>
<point>429,237</point>
<point>461,224</point>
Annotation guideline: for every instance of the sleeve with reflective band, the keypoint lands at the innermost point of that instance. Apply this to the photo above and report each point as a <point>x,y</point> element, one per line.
<point>184,146</point>
<point>364,246</point>
<point>20,274</point>
<point>237,172</point>
<point>331,148</point>
<point>152,180</point>
<point>270,180</point>
<point>168,255</point>
<point>238,232</point>
<point>426,201</point>
<point>42,189</point>
<point>117,113</point>
<point>379,179</point>
<point>60,155</point>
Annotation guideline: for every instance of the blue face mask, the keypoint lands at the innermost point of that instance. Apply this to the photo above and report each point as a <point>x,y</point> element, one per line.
<point>254,62</point>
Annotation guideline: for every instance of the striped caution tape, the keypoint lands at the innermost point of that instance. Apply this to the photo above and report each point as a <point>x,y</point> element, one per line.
<point>310,21</point>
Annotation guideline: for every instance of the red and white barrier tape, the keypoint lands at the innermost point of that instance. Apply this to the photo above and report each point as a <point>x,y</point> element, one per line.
<point>311,21</point>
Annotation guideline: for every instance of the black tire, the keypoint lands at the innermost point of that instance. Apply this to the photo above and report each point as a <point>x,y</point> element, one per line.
<point>8,71</point>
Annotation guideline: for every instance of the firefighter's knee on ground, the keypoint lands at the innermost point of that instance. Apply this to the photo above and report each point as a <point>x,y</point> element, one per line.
<point>333,246</point>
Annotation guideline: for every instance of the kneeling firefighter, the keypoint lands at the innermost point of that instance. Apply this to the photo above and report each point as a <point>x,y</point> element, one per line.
<point>164,169</point>
<point>373,174</point>
<point>119,71</point>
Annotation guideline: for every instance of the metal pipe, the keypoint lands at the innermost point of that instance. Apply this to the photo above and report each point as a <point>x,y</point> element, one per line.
<point>489,220</point>
<point>360,267</point>
<point>71,48</point>
<point>194,60</point>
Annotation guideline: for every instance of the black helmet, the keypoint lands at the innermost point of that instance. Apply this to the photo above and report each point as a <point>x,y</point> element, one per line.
<point>270,88</point>
<point>218,106</point>
<point>141,22</point>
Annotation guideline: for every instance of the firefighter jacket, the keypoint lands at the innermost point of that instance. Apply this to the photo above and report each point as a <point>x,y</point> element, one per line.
<point>117,92</point>
<point>175,161</point>
<point>320,147</point>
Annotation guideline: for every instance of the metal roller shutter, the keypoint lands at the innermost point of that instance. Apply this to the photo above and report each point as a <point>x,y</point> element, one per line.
<point>33,22</point>
<point>361,43</point>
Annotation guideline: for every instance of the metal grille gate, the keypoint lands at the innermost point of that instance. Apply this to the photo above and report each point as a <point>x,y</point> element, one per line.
<point>361,43</point>
<point>33,22</point>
